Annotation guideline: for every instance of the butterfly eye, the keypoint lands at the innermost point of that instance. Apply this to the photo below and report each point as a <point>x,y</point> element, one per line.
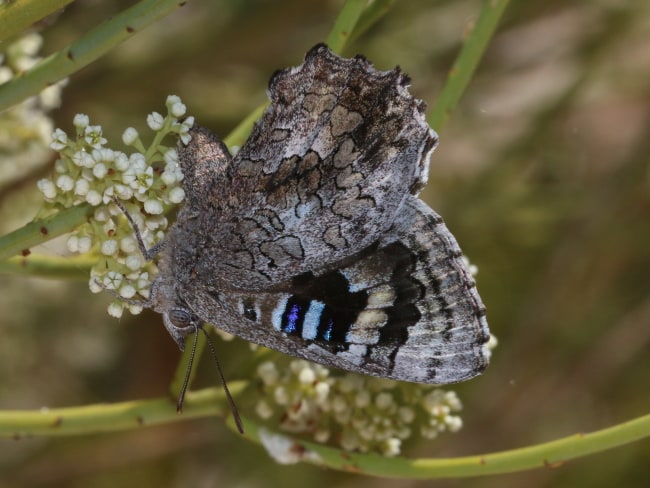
<point>180,318</point>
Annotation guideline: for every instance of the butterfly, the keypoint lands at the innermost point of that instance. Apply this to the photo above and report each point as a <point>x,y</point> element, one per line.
<point>312,240</point>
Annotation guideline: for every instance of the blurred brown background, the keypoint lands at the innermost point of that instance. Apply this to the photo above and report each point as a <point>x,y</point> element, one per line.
<point>542,174</point>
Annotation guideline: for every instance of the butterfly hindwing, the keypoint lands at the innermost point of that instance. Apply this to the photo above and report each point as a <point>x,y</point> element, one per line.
<point>403,308</point>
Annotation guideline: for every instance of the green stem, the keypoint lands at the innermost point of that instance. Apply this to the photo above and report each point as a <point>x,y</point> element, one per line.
<point>546,455</point>
<point>85,50</point>
<point>461,72</point>
<point>17,16</point>
<point>114,417</point>
<point>371,15</point>
<point>39,231</point>
<point>72,267</point>
<point>344,24</point>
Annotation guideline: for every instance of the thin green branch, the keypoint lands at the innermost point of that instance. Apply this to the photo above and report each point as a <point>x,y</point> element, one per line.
<point>85,50</point>
<point>17,16</point>
<point>547,455</point>
<point>371,15</point>
<point>39,231</point>
<point>466,63</point>
<point>114,417</point>
<point>44,266</point>
<point>345,24</point>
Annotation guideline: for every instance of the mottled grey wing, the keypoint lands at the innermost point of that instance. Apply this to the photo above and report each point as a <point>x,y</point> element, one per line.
<point>322,174</point>
<point>405,308</point>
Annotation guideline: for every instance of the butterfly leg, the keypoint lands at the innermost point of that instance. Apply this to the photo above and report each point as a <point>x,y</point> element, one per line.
<point>148,254</point>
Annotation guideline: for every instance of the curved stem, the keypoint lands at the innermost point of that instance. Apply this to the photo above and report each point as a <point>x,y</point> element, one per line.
<point>466,63</point>
<point>39,231</point>
<point>15,17</point>
<point>85,50</point>
<point>546,455</point>
<point>114,417</point>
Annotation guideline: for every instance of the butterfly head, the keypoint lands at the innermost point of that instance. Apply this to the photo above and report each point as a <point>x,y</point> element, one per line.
<point>180,322</point>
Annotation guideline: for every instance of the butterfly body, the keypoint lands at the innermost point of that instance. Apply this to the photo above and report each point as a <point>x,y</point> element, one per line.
<point>312,240</point>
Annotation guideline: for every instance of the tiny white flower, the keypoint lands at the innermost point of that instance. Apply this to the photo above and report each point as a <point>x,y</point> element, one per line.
<point>115,309</point>
<point>322,390</point>
<point>65,182</point>
<point>134,262</point>
<point>30,44</point>
<point>73,243</point>
<point>83,159</point>
<point>362,399</point>
<point>84,245</point>
<point>171,158</point>
<point>59,140</point>
<point>127,291</point>
<point>121,161</point>
<point>306,376</point>
<point>47,188</point>
<point>93,197</point>
<point>102,214</point>
<point>168,177</point>
<point>263,410</point>
<point>172,99</point>
<point>454,423</point>
<point>94,286</point>
<point>109,247</point>
<point>176,195</point>
<point>384,400</point>
<point>128,245</point>
<point>100,170</point>
<point>153,207</point>
<point>61,166</point>
<point>392,447</point>
<point>406,414</point>
<point>112,280</point>
<point>280,395</point>
<point>178,109</point>
<point>80,121</point>
<point>50,97</point>
<point>5,74</point>
<point>321,436</point>
<point>156,222</point>
<point>105,155</point>
<point>81,187</point>
<point>268,373</point>
<point>155,121</point>
<point>129,136</point>
<point>138,175</point>
<point>123,192</point>
<point>93,136</point>
<point>135,309</point>
<point>186,125</point>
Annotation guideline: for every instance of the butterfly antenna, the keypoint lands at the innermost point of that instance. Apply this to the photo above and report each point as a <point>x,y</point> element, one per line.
<point>233,407</point>
<point>181,395</point>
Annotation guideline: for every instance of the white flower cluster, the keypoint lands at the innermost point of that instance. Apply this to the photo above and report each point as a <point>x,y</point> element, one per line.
<point>361,413</point>
<point>146,182</point>
<point>25,128</point>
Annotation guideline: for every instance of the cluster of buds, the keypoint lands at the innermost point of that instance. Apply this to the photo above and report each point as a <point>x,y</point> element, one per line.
<point>359,413</point>
<point>146,182</point>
